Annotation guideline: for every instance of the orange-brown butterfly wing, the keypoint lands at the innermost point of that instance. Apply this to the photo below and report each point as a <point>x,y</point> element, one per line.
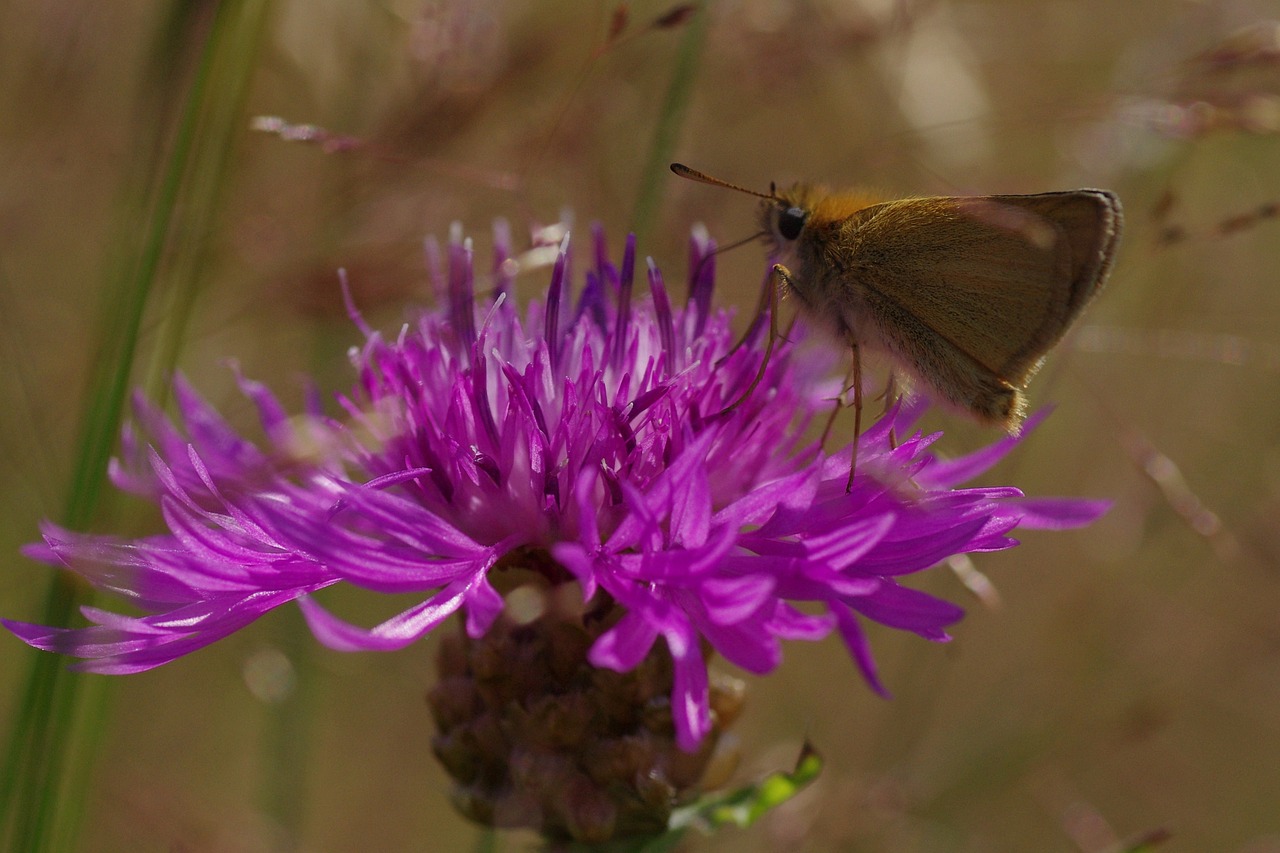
<point>1001,278</point>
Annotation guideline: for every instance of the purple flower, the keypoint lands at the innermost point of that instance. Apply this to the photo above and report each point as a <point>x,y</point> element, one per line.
<point>590,431</point>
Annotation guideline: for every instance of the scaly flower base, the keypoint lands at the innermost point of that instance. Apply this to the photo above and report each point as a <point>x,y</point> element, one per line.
<point>537,737</point>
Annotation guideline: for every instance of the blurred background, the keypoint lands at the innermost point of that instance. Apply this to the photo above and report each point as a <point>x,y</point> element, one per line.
<point>1127,681</point>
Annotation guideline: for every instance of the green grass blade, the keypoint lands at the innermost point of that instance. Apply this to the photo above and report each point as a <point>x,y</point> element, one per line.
<point>50,748</point>
<point>675,106</point>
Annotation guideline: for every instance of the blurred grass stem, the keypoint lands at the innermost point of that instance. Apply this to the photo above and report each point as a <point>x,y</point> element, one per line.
<point>675,106</point>
<point>49,755</point>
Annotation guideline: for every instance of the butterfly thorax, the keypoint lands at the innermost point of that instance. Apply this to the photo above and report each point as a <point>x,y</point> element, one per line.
<point>811,232</point>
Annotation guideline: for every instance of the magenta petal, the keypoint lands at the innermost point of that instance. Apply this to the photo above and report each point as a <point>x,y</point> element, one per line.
<point>1057,513</point>
<point>483,606</point>
<point>856,641</point>
<point>920,550</point>
<point>748,645</point>
<point>908,610</point>
<point>849,544</point>
<point>127,645</point>
<point>575,559</point>
<point>395,633</point>
<point>680,493</point>
<point>731,600</point>
<point>788,623</point>
<point>754,507</point>
<point>690,699</point>
<point>623,646</point>
<point>691,513</point>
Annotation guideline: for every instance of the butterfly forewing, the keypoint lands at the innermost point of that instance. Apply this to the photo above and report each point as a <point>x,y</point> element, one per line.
<point>932,258</point>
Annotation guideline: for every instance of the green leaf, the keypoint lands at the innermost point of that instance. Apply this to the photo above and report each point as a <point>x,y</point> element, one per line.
<point>745,806</point>
<point>739,808</point>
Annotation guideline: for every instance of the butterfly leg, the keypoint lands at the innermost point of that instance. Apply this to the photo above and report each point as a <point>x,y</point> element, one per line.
<point>857,409</point>
<point>772,307</point>
<point>890,399</point>
<point>768,302</point>
<point>839,401</point>
<point>845,388</point>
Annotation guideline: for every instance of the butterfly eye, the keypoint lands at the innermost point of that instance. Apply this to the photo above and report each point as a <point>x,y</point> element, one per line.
<point>791,221</point>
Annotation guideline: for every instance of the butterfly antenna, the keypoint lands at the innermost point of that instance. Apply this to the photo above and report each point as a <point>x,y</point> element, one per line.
<point>703,178</point>
<point>697,271</point>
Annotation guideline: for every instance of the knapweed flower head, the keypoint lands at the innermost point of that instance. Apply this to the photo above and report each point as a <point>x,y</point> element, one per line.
<point>585,438</point>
